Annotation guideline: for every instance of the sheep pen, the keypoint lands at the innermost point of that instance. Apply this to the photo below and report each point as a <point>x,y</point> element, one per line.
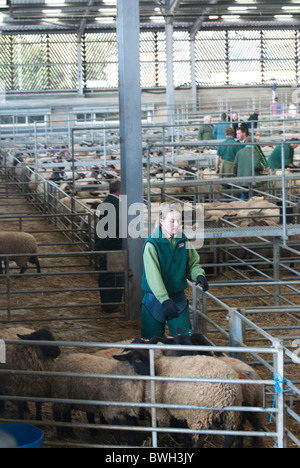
<point>75,315</point>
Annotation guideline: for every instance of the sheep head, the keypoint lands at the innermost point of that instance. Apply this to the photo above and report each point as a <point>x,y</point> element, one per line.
<point>138,358</point>
<point>48,351</point>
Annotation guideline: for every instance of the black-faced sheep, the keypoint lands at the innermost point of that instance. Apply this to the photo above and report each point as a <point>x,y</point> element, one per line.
<point>252,393</point>
<point>19,243</point>
<point>197,394</point>
<point>99,389</point>
<point>29,358</point>
<point>170,340</point>
<point>193,338</point>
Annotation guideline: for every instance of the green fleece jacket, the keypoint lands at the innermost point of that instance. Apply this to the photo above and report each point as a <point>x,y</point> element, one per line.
<point>274,160</point>
<point>153,269</point>
<point>205,132</point>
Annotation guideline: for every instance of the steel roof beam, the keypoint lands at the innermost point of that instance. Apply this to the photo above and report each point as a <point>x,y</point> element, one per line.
<point>200,20</point>
<point>174,5</point>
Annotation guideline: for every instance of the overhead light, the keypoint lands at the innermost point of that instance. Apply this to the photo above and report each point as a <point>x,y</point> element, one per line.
<point>292,9</point>
<point>283,16</point>
<point>241,8</point>
<point>110,11</point>
<point>213,17</point>
<point>157,19</point>
<point>230,17</point>
<point>105,19</point>
<point>54,2</point>
<point>51,12</point>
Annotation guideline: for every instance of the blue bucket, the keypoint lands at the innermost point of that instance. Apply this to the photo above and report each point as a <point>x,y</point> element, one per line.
<point>25,435</point>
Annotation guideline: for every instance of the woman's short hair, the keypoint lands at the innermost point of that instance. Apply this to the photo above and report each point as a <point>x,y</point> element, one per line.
<point>165,209</point>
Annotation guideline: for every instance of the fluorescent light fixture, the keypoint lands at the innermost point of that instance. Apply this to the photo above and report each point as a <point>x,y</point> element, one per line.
<point>54,2</point>
<point>157,19</point>
<point>293,9</point>
<point>111,11</point>
<point>230,17</point>
<point>283,16</point>
<point>51,12</point>
<point>105,19</point>
<point>240,8</point>
<point>213,17</point>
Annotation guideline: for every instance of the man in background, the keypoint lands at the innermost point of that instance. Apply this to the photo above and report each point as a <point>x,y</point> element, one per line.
<point>110,279</point>
<point>206,129</point>
<point>226,155</point>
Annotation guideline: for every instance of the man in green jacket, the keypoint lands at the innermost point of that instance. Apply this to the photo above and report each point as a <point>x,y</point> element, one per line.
<point>243,166</point>
<point>274,160</point>
<point>226,154</point>
<point>168,260</point>
<point>206,129</point>
<point>111,279</point>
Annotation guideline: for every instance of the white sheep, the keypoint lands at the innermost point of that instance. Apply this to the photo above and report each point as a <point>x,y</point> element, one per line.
<point>19,243</point>
<point>29,358</point>
<point>98,389</point>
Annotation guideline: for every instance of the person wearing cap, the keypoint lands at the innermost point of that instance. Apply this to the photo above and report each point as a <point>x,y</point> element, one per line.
<point>168,261</point>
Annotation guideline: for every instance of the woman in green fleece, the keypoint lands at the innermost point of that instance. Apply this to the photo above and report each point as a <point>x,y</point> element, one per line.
<point>168,260</point>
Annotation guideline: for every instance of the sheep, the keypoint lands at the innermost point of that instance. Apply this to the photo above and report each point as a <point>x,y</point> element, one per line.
<point>65,207</point>
<point>172,340</point>
<point>202,394</point>
<point>193,338</point>
<point>19,243</point>
<point>236,210</point>
<point>29,358</point>
<point>252,393</point>
<point>106,389</point>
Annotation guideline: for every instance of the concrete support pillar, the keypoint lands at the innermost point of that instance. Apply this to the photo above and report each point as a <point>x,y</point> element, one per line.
<point>130,139</point>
